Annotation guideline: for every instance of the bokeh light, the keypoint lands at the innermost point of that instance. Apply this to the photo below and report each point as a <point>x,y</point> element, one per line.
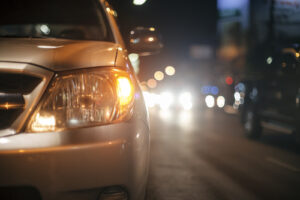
<point>237,96</point>
<point>210,101</point>
<point>159,75</point>
<point>152,29</point>
<point>151,99</point>
<point>151,39</point>
<point>185,100</point>
<point>166,100</point>
<point>229,80</point>
<point>170,71</point>
<point>220,101</point>
<point>45,29</point>
<point>152,83</point>
<point>133,57</point>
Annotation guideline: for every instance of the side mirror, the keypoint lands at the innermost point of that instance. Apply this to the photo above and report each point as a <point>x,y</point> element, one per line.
<point>144,41</point>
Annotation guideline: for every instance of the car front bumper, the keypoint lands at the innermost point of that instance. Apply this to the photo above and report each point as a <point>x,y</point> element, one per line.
<point>80,163</point>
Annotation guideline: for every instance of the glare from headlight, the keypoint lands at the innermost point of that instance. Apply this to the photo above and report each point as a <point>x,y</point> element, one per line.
<point>166,100</point>
<point>151,99</point>
<point>220,101</point>
<point>210,101</point>
<point>185,100</point>
<point>166,115</point>
<point>185,118</point>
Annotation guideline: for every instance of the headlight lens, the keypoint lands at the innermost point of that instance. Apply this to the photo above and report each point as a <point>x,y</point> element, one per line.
<point>84,98</point>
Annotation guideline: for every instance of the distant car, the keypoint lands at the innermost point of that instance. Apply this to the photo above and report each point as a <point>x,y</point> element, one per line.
<point>73,123</point>
<point>273,101</point>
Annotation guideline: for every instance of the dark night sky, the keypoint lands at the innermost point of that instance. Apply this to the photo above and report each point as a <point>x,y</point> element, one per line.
<point>181,23</point>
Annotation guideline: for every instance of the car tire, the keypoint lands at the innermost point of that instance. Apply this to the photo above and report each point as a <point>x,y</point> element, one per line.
<point>252,125</point>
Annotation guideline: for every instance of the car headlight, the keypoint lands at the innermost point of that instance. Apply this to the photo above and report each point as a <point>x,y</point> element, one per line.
<point>84,98</point>
<point>210,101</point>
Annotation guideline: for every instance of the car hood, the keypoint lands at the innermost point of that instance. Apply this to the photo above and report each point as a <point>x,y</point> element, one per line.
<point>58,54</point>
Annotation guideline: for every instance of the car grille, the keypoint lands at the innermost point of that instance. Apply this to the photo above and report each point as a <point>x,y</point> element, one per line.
<point>12,88</point>
<point>19,193</point>
<point>17,83</point>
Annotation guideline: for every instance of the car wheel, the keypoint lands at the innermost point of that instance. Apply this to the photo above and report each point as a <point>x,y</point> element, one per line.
<point>252,124</point>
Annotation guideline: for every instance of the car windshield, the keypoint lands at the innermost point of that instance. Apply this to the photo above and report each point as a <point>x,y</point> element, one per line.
<point>68,19</point>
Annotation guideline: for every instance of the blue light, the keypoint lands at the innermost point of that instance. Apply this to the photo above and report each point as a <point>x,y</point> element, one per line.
<point>231,4</point>
<point>214,90</point>
<point>205,90</point>
<point>240,87</point>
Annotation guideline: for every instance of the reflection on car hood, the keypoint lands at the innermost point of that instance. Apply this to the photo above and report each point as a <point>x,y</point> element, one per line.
<point>58,54</point>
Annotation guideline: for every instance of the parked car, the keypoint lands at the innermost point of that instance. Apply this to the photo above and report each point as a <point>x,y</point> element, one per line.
<point>73,123</point>
<point>273,100</point>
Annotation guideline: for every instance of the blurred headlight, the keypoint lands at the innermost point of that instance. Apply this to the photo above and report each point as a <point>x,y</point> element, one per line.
<point>237,96</point>
<point>84,98</point>
<point>220,101</point>
<point>166,100</point>
<point>210,101</point>
<point>151,99</point>
<point>185,99</point>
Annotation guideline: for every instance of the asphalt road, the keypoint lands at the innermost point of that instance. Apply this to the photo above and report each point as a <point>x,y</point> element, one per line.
<point>204,155</point>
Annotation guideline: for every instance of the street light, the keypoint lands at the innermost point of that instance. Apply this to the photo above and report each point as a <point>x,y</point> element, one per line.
<point>139,2</point>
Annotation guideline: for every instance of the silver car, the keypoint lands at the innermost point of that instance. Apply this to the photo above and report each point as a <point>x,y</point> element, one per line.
<point>73,123</point>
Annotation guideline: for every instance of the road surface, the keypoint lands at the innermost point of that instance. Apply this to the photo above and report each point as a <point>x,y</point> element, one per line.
<point>204,155</point>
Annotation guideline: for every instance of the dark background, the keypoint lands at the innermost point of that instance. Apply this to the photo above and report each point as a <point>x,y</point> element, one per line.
<point>181,24</point>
